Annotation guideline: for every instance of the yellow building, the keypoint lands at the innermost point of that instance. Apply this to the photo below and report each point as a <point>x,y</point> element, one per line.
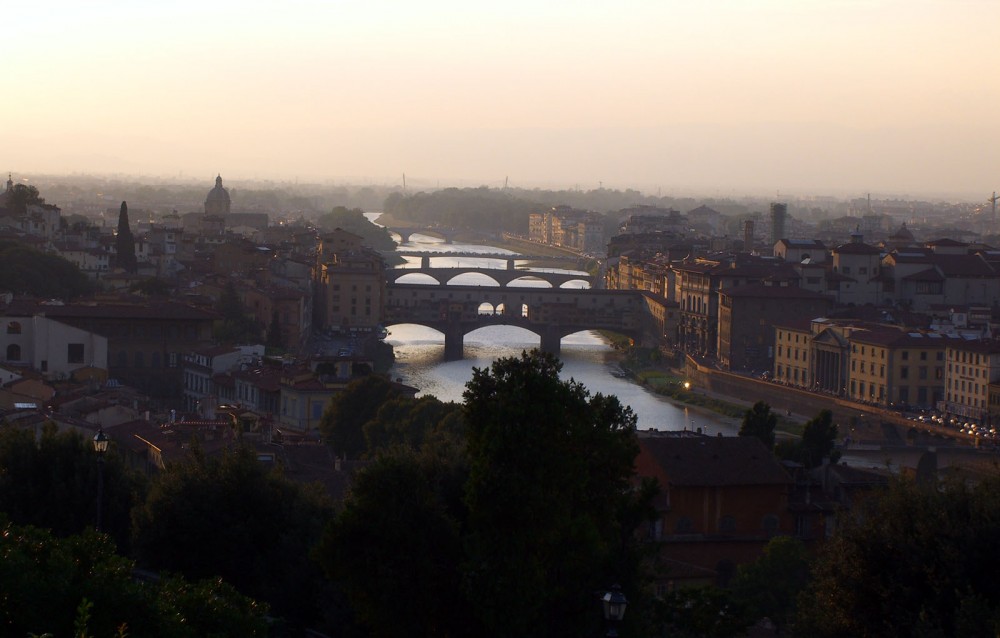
<point>351,283</point>
<point>972,367</point>
<point>894,368</point>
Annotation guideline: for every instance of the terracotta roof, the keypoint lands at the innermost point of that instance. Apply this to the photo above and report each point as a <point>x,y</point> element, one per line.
<point>715,461</point>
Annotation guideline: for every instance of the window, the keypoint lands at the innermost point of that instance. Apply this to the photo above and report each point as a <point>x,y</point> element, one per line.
<point>683,525</point>
<point>13,352</point>
<point>904,372</point>
<point>922,372</point>
<point>923,355</point>
<point>139,362</point>
<point>74,353</point>
<point>14,328</point>
<point>906,355</point>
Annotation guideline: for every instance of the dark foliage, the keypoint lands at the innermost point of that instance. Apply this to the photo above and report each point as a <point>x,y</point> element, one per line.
<point>52,483</point>
<point>27,271</point>
<point>78,586</point>
<point>354,220</point>
<point>234,518</point>
<point>915,561</point>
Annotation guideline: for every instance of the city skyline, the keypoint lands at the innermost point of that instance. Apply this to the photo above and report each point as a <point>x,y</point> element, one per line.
<point>838,97</point>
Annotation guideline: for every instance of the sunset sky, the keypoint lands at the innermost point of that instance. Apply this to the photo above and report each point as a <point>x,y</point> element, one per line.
<point>719,96</point>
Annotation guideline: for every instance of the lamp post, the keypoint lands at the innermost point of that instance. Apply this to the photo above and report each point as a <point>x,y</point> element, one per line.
<point>614,603</point>
<point>100,446</point>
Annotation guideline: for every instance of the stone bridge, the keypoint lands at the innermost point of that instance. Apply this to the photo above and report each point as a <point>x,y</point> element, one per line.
<point>551,313</point>
<point>447,234</point>
<point>502,276</point>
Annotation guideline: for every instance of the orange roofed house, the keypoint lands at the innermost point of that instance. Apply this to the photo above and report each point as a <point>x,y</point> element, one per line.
<point>721,500</point>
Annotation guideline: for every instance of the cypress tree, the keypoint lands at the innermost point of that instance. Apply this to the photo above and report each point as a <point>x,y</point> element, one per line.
<point>125,243</point>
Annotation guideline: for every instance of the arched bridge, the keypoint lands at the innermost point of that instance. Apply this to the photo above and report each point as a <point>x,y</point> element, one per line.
<point>404,232</point>
<point>503,277</point>
<point>551,313</point>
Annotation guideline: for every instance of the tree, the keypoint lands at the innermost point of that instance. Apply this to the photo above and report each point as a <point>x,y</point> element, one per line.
<point>236,325</point>
<point>549,478</point>
<point>79,586</point>
<point>911,561</point>
<point>410,423</point>
<point>22,196</point>
<point>817,439</point>
<point>396,551</point>
<point>354,220</point>
<point>342,425</point>
<point>125,243</point>
<point>27,271</point>
<point>769,586</point>
<point>760,422</point>
<point>234,518</point>
<point>52,483</point>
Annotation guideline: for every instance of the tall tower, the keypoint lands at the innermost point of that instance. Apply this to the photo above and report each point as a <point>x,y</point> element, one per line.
<point>125,243</point>
<point>748,236</point>
<point>778,213</point>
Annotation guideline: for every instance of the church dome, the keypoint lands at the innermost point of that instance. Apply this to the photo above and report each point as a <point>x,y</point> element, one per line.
<point>217,202</point>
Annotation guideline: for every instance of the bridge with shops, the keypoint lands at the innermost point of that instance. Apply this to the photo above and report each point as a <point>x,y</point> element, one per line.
<point>551,313</point>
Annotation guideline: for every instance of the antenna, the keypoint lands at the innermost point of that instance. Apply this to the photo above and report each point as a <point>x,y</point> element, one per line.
<point>404,181</point>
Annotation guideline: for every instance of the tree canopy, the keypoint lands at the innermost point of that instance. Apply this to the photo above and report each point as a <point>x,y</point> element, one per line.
<point>234,518</point>
<point>354,220</point>
<point>78,586</point>
<point>52,483</point>
<point>760,422</point>
<point>511,515</point>
<point>912,561</point>
<point>343,423</point>
<point>27,271</point>
<point>22,196</point>
<point>549,477</point>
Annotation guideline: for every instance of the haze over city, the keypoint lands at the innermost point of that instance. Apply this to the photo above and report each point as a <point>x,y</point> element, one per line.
<point>830,97</point>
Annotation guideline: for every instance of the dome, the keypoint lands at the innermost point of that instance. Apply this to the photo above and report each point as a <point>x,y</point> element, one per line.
<point>217,202</point>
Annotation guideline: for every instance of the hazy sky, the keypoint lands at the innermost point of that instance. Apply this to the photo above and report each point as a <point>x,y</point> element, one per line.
<point>822,96</point>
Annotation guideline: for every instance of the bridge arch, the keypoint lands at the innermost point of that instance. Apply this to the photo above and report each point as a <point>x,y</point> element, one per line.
<point>552,313</point>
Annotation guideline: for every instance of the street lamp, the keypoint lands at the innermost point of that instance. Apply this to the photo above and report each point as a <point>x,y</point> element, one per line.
<point>100,446</point>
<point>614,603</point>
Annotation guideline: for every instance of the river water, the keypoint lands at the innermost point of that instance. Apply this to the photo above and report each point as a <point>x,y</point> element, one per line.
<point>586,356</point>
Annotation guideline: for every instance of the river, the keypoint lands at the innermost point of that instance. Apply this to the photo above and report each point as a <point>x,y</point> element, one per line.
<point>586,356</point>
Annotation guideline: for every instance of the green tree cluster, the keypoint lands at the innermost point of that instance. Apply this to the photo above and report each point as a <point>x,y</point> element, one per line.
<point>233,518</point>
<point>760,422</point>
<point>50,483</point>
<point>236,326</point>
<point>27,271</point>
<point>511,513</point>
<point>915,561</point>
<point>79,586</point>
<point>22,196</point>
<point>353,220</point>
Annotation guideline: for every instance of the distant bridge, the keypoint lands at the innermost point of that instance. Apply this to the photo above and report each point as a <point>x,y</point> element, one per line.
<point>503,276</point>
<point>447,234</point>
<point>551,313</point>
<point>463,255</point>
